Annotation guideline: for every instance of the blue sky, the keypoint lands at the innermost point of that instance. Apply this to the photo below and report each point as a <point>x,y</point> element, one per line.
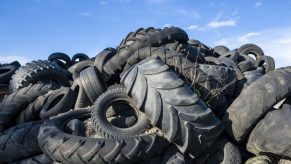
<point>33,29</point>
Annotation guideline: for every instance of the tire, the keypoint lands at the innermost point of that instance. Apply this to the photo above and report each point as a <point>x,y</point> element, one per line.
<point>213,60</point>
<point>60,101</point>
<point>245,66</point>
<point>206,50</point>
<point>251,49</point>
<point>184,120</point>
<point>78,57</point>
<point>37,159</point>
<point>82,99</point>
<point>78,67</point>
<point>6,72</point>
<point>65,148</point>
<point>109,130</point>
<point>139,39</point>
<point>31,112</point>
<point>261,159</point>
<point>19,142</point>
<point>266,62</point>
<point>62,58</point>
<point>224,152</point>
<point>103,57</point>
<point>255,101</point>
<point>233,55</point>
<point>14,103</point>
<point>38,71</point>
<point>270,136</point>
<point>76,127</point>
<point>92,83</point>
<point>220,50</point>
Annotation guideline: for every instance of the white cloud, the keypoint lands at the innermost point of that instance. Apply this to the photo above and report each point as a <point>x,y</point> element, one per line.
<point>246,38</point>
<point>85,14</point>
<point>274,42</point>
<point>10,58</point>
<point>258,4</point>
<point>222,23</point>
<point>193,27</point>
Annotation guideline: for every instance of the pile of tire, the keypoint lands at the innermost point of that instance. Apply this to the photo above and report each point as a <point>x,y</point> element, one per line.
<point>159,97</point>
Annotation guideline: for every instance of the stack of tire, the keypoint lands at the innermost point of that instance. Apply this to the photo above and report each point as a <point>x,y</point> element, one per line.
<point>159,97</point>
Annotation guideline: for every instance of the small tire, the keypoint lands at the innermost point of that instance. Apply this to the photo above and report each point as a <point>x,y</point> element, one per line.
<point>92,83</point>
<point>78,57</point>
<point>61,59</point>
<point>251,49</point>
<point>104,127</point>
<point>60,101</point>
<point>6,72</point>
<point>220,50</point>
<point>266,62</point>
<point>79,67</point>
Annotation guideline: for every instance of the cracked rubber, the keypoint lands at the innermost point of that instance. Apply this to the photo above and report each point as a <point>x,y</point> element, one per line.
<point>185,120</point>
<point>255,101</point>
<point>38,71</point>
<point>66,148</point>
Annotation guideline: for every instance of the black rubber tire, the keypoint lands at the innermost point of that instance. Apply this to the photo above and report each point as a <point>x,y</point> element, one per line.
<point>233,55</point>
<point>261,159</point>
<point>104,127</point>
<point>251,49</point>
<point>245,66</point>
<point>78,57</point>
<point>82,99</point>
<point>14,103</point>
<point>103,57</point>
<point>78,67</point>
<point>38,71</point>
<point>271,134</point>
<point>268,61</point>
<point>213,60</point>
<point>255,101</point>
<point>6,72</point>
<point>185,120</point>
<point>76,127</point>
<point>60,101</point>
<point>31,112</point>
<point>19,142</point>
<point>66,148</point>
<point>60,57</point>
<point>142,38</point>
<point>37,159</point>
<point>92,83</point>
<point>206,50</point>
<point>220,50</point>
<point>224,152</point>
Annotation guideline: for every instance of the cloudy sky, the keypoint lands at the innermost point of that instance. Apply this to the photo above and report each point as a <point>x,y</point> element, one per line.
<point>33,29</point>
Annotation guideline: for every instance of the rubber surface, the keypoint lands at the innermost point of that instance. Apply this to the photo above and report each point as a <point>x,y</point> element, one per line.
<point>66,148</point>
<point>185,120</point>
<point>255,101</point>
<point>38,71</point>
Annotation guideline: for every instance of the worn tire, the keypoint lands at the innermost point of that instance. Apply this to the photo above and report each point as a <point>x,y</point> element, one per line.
<point>14,103</point>
<point>78,57</point>
<point>78,67</point>
<point>185,120</point>
<point>220,50</point>
<point>62,59</point>
<point>66,148</point>
<point>271,134</point>
<point>60,101</point>
<point>107,129</point>
<point>266,62</point>
<point>139,39</point>
<point>38,71</point>
<point>261,159</point>
<point>37,159</point>
<point>92,83</point>
<point>82,99</point>
<point>19,142</point>
<point>6,72</point>
<point>255,101</point>
<point>251,49</point>
<point>103,57</point>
